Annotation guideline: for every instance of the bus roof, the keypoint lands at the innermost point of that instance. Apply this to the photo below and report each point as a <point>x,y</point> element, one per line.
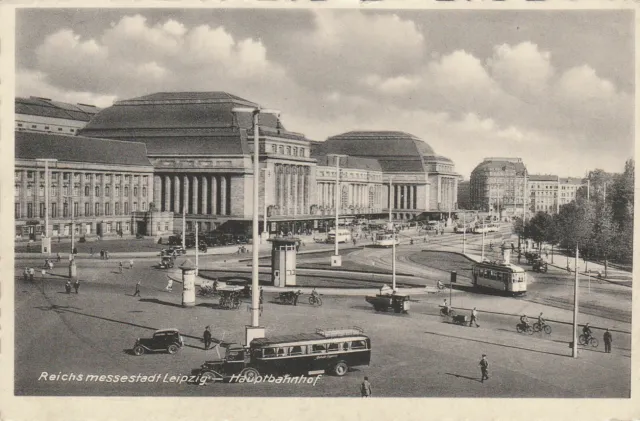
<point>320,335</point>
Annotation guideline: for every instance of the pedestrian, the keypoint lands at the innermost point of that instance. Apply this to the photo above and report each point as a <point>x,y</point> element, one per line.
<point>484,368</point>
<point>91,251</point>
<point>474,317</point>
<point>608,339</point>
<point>120,266</point>
<point>28,248</point>
<point>365,388</point>
<point>106,255</point>
<point>25,274</point>
<point>207,337</point>
<point>76,285</point>
<point>137,293</point>
<point>101,254</point>
<point>74,251</point>
<point>58,258</point>
<point>295,297</point>
<point>131,264</point>
<point>67,287</point>
<point>169,286</point>
<point>32,273</point>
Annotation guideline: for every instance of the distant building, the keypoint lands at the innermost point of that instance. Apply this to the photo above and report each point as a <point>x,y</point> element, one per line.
<point>464,194</point>
<point>568,188</point>
<point>497,185</point>
<point>45,115</point>
<point>543,193</point>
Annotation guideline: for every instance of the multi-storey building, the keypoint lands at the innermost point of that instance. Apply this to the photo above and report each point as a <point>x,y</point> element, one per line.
<point>543,193</point>
<point>568,187</point>
<point>464,191</point>
<point>498,185</point>
<point>45,115</point>
<point>102,187</point>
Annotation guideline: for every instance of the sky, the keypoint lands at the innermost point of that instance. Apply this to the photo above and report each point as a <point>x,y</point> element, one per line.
<point>555,88</point>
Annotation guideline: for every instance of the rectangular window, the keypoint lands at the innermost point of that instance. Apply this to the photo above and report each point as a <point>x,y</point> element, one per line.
<point>16,211</point>
<point>75,208</point>
<point>54,210</point>
<point>41,210</point>
<point>107,209</point>
<point>29,210</point>
<point>108,226</point>
<point>274,148</point>
<point>87,209</point>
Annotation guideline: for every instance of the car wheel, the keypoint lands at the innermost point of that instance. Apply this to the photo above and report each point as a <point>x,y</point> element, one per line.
<point>340,369</point>
<point>173,348</point>
<point>138,350</point>
<point>208,377</point>
<point>249,374</point>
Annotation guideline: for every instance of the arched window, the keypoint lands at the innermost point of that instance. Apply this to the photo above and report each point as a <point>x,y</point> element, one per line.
<point>117,208</point>
<point>97,209</point>
<point>144,206</point>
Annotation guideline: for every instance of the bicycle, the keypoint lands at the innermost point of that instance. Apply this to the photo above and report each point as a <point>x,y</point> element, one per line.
<point>545,327</point>
<point>587,340</point>
<point>315,300</point>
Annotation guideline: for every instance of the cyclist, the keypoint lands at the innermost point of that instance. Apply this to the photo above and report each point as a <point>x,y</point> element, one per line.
<point>525,321</point>
<point>315,295</point>
<point>440,285</point>
<point>586,331</point>
<point>541,321</point>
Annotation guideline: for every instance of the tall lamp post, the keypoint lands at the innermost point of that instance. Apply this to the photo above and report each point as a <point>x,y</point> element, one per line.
<point>336,260</point>
<point>255,330</point>
<point>72,260</point>
<point>393,240</point>
<point>265,231</point>
<point>46,239</point>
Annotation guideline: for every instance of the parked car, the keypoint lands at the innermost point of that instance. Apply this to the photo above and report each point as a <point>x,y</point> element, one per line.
<point>163,340</point>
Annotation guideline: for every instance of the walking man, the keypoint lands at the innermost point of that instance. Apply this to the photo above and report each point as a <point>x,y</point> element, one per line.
<point>607,341</point>
<point>365,388</point>
<point>76,285</point>
<point>484,368</point>
<point>137,293</point>
<point>474,317</point>
<point>207,337</point>
<point>131,264</point>
<point>120,266</point>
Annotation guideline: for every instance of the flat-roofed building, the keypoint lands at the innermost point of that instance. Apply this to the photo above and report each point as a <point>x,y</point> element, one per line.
<point>497,185</point>
<point>105,187</point>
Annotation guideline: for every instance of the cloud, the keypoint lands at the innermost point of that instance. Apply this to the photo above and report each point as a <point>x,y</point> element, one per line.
<point>521,69</point>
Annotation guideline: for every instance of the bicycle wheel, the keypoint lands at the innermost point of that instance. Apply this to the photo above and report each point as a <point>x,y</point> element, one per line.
<point>536,327</point>
<point>547,329</point>
<point>319,301</point>
<point>312,301</point>
<point>519,328</point>
<point>529,330</point>
<point>593,342</point>
<point>582,340</point>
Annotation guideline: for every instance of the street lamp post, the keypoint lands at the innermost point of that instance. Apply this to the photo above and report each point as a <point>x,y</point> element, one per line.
<point>264,228</point>
<point>464,232</point>
<point>393,240</point>
<point>574,352</point>
<point>336,260</point>
<point>255,330</point>
<point>72,261</point>
<point>46,240</point>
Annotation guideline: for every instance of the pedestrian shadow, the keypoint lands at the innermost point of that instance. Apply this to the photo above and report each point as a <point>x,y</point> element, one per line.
<point>157,301</point>
<point>497,344</point>
<point>460,376</point>
<point>361,307</point>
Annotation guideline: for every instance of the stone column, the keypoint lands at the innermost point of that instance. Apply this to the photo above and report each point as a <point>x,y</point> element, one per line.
<point>194,197</point>
<point>205,196</point>
<point>214,195</point>
<point>287,190</point>
<point>185,194</point>
<point>415,193</point>
<point>157,192</point>
<point>294,190</point>
<point>166,188</point>
<point>223,195</point>
<point>60,199</point>
<point>176,194</point>
<point>306,210</point>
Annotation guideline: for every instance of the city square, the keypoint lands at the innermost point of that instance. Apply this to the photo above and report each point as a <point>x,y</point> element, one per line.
<point>210,205</point>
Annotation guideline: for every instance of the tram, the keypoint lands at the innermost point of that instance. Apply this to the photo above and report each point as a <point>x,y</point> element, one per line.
<point>500,277</point>
<point>385,239</point>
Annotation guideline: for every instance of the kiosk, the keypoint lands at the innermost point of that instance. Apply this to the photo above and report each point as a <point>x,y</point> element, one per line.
<point>283,261</point>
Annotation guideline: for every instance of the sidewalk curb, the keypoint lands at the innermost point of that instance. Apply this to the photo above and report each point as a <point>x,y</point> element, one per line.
<point>591,276</point>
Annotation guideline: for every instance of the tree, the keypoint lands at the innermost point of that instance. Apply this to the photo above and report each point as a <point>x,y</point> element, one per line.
<point>538,227</point>
<point>604,233</point>
<point>575,223</point>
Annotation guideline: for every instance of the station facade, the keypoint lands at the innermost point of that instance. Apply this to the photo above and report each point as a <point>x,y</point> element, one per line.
<point>199,162</point>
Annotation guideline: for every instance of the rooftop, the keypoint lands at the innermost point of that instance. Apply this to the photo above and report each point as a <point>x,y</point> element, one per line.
<point>541,177</point>
<point>45,107</point>
<point>34,145</point>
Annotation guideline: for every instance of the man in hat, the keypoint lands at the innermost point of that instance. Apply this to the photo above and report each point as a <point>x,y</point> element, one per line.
<point>607,341</point>
<point>207,337</point>
<point>484,368</point>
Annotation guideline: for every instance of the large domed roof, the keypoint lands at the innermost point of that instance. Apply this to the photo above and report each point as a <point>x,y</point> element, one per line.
<point>396,151</point>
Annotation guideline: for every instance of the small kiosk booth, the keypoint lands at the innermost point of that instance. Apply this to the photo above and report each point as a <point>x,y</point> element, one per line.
<point>283,261</point>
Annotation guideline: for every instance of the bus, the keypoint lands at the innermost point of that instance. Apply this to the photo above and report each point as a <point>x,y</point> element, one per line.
<point>500,277</point>
<point>325,351</point>
<point>344,236</point>
<point>385,239</point>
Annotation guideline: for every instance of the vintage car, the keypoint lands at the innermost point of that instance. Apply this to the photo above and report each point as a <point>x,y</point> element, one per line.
<point>400,303</point>
<point>163,340</point>
<point>166,262</point>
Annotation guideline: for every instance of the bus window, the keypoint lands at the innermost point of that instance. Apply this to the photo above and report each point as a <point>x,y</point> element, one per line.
<point>295,350</point>
<point>281,352</point>
<point>358,345</point>
<point>269,352</point>
<point>333,347</point>
<point>318,348</point>
<point>345,346</point>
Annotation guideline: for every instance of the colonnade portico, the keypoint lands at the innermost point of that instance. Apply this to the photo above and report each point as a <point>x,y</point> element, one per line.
<point>405,196</point>
<point>198,194</point>
<point>291,189</point>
